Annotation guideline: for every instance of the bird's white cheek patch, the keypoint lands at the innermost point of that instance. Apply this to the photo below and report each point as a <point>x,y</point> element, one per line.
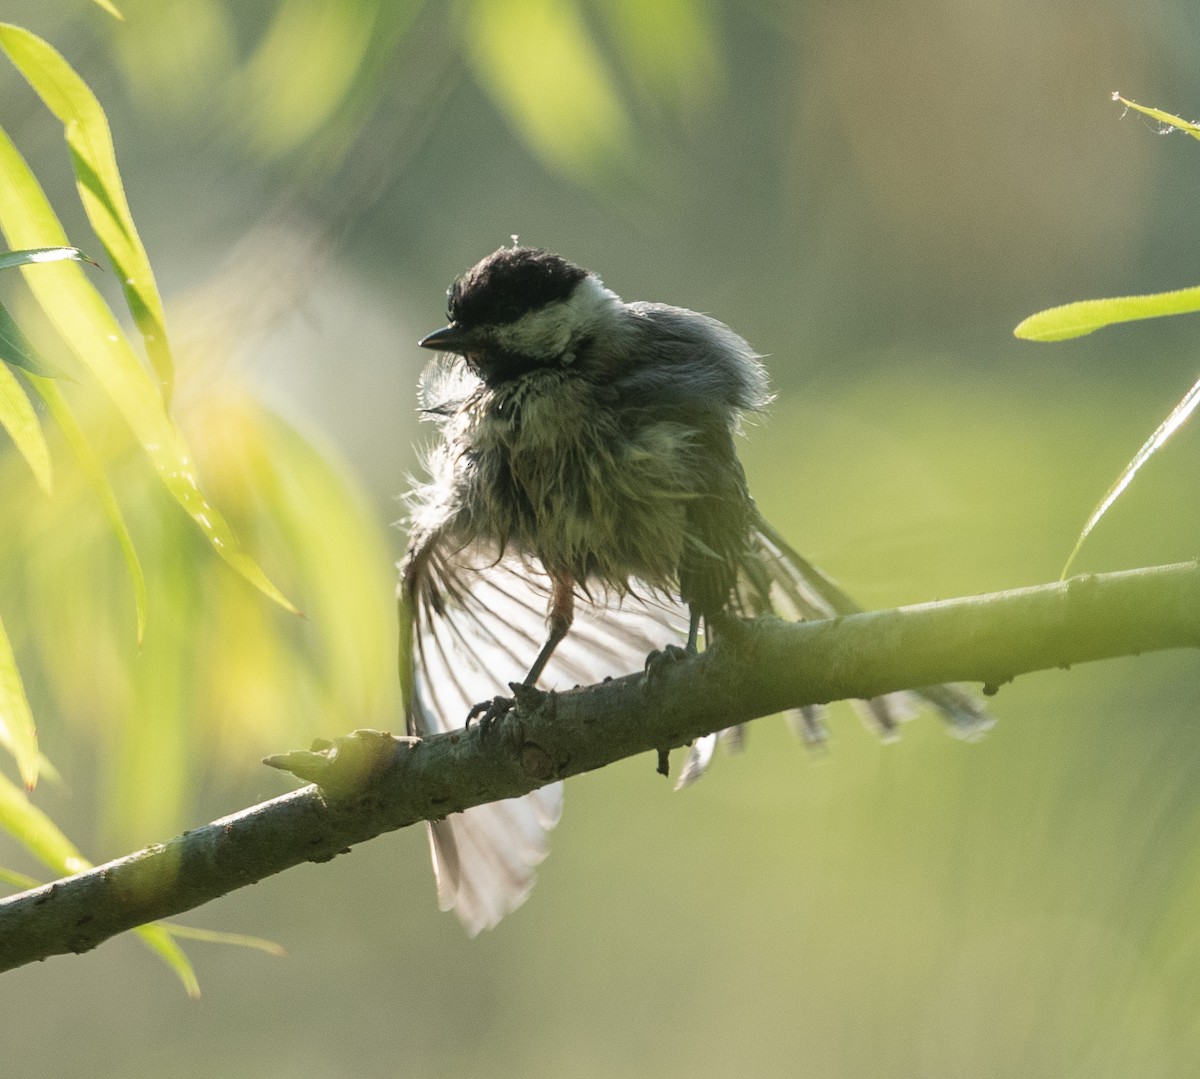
<point>549,332</point>
<point>539,333</point>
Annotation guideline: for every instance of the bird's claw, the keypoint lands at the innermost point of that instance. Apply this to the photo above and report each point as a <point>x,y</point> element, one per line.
<point>525,698</point>
<point>662,658</point>
<point>487,712</point>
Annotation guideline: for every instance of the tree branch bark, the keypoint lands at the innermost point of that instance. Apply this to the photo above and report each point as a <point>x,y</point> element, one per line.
<point>372,783</point>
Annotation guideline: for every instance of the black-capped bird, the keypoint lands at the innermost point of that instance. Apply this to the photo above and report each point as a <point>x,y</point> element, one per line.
<point>584,504</point>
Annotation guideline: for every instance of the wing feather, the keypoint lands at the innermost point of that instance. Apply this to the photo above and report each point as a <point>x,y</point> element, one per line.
<point>479,619</point>
<point>801,590</point>
<point>777,579</point>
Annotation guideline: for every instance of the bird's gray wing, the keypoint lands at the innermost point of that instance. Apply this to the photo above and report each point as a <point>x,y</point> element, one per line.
<point>476,621</point>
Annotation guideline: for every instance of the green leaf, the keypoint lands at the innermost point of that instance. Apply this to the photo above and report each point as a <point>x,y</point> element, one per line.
<point>1152,445</point>
<point>161,937</point>
<point>16,348</point>
<point>329,43</point>
<point>17,732</point>
<point>57,406</point>
<point>158,938</point>
<point>1086,316</point>
<point>17,880</point>
<point>670,46</point>
<point>18,418</point>
<point>83,319</point>
<point>111,8</point>
<point>37,832</point>
<point>41,836</point>
<point>213,936</point>
<point>540,62</point>
<point>68,97</point>
<point>1185,126</point>
<point>43,254</point>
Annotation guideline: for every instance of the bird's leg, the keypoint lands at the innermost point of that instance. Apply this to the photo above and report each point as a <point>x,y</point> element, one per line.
<point>562,614</point>
<point>559,619</point>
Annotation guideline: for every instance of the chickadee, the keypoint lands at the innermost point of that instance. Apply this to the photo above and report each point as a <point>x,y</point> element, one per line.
<point>584,502</point>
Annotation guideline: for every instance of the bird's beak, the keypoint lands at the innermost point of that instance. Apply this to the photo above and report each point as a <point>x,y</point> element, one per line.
<point>447,339</point>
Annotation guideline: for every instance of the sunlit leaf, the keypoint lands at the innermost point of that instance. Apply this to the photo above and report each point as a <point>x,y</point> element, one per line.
<point>1162,117</point>
<point>670,46</point>
<point>99,181</point>
<point>539,61</point>
<point>18,418</point>
<point>18,350</point>
<point>328,42</point>
<point>1151,446</point>
<point>213,936</point>
<point>159,939</point>
<point>43,254</point>
<point>1086,316</point>
<point>83,319</point>
<point>17,880</point>
<point>33,829</point>
<point>110,7</point>
<point>152,767</point>
<point>42,838</point>
<point>17,731</point>
<point>45,769</point>
<point>37,832</point>
<point>343,560</point>
<point>56,405</point>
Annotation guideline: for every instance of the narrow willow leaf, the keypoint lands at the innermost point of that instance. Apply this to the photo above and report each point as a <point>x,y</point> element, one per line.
<point>32,828</point>
<point>671,46</point>
<point>158,938</point>
<point>1086,316</point>
<point>111,8</point>
<point>213,936</point>
<point>540,61</point>
<point>46,769</point>
<point>83,319</point>
<point>1152,445</point>
<point>161,937</point>
<point>330,44</point>
<point>16,719</point>
<point>36,832</point>
<point>16,349</point>
<point>18,418</point>
<point>68,97</point>
<point>43,254</point>
<point>17,880</point>
<point>56,405</point>
<point>1185,126</point>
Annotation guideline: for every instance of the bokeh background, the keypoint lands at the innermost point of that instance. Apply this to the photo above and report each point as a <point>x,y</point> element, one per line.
<point>874,194</point>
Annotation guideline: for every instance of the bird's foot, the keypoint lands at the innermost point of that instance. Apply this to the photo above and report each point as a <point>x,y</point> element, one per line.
<point>663,658</point>
<point>524,698</point>
<point>485,713</point>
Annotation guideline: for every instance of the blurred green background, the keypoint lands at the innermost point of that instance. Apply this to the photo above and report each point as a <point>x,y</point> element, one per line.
<point>874,194</point>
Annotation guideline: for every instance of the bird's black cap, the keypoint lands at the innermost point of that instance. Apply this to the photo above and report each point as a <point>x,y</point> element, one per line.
<point>508,284</point>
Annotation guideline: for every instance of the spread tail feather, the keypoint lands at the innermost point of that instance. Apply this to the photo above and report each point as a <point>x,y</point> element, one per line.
<point>485,858</point>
